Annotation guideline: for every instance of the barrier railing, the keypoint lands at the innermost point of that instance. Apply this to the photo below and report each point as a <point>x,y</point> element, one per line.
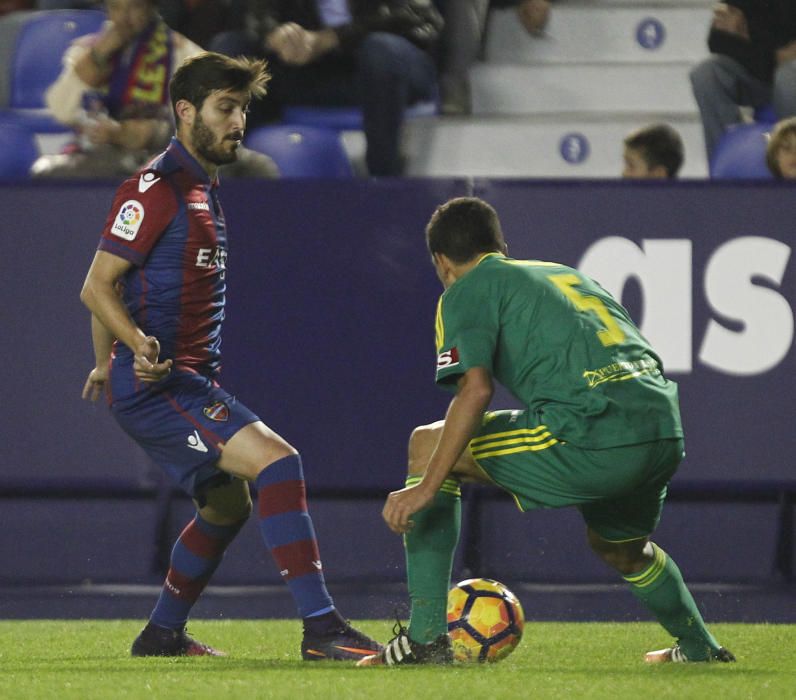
<point>781,493</point>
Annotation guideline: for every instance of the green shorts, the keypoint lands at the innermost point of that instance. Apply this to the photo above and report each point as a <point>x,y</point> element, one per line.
<point>618,490</point>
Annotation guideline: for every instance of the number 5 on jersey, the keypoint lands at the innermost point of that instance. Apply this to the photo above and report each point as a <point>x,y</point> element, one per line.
<point>610,335</point>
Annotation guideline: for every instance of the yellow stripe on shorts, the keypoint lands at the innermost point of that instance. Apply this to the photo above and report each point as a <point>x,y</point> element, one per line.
<point>512,442</point>
<point>508,434</point>
<point>514,450</point>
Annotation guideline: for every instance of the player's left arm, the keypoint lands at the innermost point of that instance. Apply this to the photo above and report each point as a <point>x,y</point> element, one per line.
<point>464,417</point>
<point>100,295</point>
<point>102,339</point>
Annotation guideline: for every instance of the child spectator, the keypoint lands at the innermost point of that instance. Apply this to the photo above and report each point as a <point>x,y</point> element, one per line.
<point>653,152</point>
<point>781,150</point>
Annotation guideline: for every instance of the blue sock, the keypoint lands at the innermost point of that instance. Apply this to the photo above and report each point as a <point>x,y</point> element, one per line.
<point>196,555</point>
<point>287,529</point>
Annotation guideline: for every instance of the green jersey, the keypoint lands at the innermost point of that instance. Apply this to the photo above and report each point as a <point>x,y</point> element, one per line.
<point>562,346</point>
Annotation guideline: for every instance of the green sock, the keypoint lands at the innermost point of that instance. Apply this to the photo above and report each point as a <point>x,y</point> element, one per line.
<point>662,590</point>
<point>430,546</point>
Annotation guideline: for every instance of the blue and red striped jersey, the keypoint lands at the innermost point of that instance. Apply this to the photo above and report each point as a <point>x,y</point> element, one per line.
<point>167,221</point>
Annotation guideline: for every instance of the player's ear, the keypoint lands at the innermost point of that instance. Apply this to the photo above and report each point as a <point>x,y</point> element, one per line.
<point>441,261</point>
<point>186,112</point>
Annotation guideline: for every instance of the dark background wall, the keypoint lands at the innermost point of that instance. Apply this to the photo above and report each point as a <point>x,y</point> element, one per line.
<point>329,337</point>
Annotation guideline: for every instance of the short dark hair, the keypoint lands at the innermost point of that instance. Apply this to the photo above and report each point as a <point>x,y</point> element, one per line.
<point>203,74</point>
<point>464,227</point>
<point>783,131</point>
<point>658,144</point>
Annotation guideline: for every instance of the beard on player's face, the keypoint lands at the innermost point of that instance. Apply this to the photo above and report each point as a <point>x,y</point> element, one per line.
<point>214,150</point>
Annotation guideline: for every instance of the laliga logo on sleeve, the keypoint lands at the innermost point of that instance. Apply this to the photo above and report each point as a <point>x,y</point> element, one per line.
<point>128,220</point>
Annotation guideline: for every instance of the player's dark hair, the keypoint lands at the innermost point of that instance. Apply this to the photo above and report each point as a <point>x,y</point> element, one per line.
<point>783,132</point>
<point>464,227</point>
<point>658,144</point>
<point>203,74</point>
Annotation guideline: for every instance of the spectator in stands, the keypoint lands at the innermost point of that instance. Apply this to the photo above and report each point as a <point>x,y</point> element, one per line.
<point>7,6</point>
<point>197,20</point>
<point>68,4</point>
<point>201,20</point>
<point>653,152</point>
<point>462,41</point>
<point>377,55</point>
<point>781,151</point>
<point>752,64</point>
<point>113,91</point>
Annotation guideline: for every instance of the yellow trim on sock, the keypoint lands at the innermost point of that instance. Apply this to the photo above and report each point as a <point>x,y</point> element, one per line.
<point>449,486</point>
<point>652,572</point>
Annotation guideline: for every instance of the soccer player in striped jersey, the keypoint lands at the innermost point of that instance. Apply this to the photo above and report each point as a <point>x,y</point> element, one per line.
<point>156,292</point>
<point>600,429</point>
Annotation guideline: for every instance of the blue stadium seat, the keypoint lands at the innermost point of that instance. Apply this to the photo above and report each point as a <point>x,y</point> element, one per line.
<point>741,154</point>
<point>17,151</point>
<point>302,151</point>
<point>766,114</point>
<point>32,45</point>
<point>41,40</point>
<point>346,118</point>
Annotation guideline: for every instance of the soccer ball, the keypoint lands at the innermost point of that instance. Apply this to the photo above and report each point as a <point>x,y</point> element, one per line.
<point>485,620</point>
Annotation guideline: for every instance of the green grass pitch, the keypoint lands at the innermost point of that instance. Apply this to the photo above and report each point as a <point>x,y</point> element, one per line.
<point>89,659</point>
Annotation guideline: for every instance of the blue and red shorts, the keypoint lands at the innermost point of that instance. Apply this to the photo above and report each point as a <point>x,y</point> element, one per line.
<point>182,423</point>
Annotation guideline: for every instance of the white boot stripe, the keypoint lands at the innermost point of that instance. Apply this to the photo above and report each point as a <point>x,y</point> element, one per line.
<point>388,655</point>
<point>407,648</point>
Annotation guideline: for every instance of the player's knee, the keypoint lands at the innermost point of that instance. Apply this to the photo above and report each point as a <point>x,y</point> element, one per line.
<point>226,514</point>
<point>227,505</point>
<point>421,444</point>
<point>624,557</point>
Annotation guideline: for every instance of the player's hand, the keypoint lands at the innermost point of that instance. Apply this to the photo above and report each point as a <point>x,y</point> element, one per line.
<point>146,365</point>
<point>292,43</point>
<point>731,20</point>
<point>534,15</point>
<point>103,130</point>
<point>113,38</point>
<point>95,383</point>
<point>401,505</point>
<point>786,53</point>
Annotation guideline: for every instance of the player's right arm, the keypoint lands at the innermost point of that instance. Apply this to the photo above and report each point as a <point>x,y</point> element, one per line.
<point>100,297</point>
<point>464,417</point>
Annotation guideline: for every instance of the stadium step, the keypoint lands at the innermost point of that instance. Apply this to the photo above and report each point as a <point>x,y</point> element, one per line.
<point>608,87</point>
<point>584,33</point>
<point>557,145</point>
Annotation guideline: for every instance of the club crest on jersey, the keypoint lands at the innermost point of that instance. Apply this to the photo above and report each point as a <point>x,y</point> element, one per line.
<point>128,220</point>
<point>449,358</point>
<point>218,411</point>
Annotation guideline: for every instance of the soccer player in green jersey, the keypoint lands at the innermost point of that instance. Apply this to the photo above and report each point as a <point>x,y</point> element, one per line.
<point>600,429</point>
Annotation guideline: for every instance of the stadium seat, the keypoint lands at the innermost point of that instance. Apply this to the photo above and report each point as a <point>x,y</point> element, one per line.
<point>17,151</point>
<point>741,154</point>
<point>766,115</point>
<point>41,41</point>
<point>32,45</point>
<point>302,151</point>
<point>345,118</point>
